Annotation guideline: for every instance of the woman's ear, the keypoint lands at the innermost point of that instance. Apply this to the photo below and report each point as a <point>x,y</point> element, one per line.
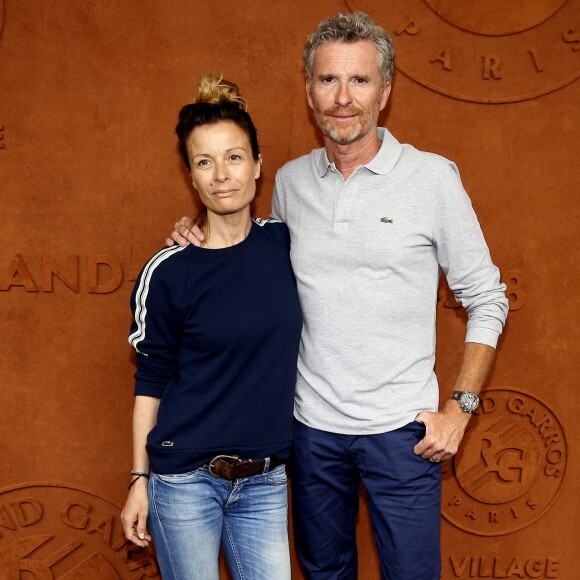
<point>258,167</point>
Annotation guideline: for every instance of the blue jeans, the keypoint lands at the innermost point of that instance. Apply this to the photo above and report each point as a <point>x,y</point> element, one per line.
<point>404,498</point>
<point>191,514</point>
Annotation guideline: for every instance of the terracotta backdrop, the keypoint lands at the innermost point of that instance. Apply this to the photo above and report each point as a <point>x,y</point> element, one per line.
<point>91,182</point>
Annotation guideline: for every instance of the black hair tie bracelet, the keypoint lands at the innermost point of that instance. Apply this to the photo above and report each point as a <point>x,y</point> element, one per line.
<point>138,474</point>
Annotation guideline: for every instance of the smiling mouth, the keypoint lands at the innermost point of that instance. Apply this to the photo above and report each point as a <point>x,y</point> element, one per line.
<point>342,116</point>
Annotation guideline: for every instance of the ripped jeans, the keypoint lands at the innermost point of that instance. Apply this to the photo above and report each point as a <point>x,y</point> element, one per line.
<point>191,514</point>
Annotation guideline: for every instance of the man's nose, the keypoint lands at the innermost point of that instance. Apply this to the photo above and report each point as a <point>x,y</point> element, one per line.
<point>343,96</point>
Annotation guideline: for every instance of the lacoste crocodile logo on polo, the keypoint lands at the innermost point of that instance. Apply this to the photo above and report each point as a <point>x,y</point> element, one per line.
<point>167,444</point>
<point>386,220</point>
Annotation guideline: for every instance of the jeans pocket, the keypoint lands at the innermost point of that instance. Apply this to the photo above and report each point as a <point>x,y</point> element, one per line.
<point>277,475</point>
<point>177,477</point>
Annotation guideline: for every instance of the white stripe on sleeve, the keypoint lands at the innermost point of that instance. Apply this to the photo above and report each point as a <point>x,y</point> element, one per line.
<point>143,291</point>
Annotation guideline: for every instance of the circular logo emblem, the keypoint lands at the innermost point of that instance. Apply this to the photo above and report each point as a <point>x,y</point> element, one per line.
<point>510,467</point>
<point>495,17</point>
<point>485,51</point>
<point>50,530</point>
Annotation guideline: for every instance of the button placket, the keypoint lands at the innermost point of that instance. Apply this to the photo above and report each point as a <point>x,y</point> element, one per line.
<point>342,205</point>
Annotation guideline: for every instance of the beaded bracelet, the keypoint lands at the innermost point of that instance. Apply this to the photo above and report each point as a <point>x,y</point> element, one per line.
<point>138,474</point>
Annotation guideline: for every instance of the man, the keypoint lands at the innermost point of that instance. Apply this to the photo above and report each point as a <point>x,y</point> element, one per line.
<point>373,223</point>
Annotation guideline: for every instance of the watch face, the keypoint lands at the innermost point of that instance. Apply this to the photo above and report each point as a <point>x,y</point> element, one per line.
<point>469,402</point>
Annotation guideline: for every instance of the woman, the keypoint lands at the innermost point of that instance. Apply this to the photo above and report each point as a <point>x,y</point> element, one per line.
<point>216,331</point>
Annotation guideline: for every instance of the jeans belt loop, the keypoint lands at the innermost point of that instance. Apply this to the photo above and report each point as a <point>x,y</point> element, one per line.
<point>266,465</point>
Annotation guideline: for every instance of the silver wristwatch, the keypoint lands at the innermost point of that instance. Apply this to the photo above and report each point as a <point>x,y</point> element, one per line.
<point>467,401</point>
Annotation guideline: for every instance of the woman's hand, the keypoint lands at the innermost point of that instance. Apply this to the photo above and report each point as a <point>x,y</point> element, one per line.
<point>134,514</point>
<point>186,232</point>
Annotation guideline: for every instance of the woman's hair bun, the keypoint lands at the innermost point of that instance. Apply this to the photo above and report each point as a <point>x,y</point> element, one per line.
<point>215,90</point>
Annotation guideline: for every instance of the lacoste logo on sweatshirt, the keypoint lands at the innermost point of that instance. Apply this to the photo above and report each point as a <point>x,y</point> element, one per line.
<point>386,220</point>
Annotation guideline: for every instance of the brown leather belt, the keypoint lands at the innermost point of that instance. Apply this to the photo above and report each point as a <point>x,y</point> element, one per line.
<point>232,467</point>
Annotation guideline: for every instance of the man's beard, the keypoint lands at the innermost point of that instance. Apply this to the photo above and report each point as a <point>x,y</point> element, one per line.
<point>343,136</point>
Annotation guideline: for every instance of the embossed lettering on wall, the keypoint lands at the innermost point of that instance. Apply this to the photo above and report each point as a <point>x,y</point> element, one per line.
<point>55,531</point>
<point>503,567</point>
<point>95,274</point>
<point>486,51</point>
<point>2,139</point>
<point>510,467</point>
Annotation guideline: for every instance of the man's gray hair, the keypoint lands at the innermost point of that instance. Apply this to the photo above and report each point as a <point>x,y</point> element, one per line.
<point>347,27</point>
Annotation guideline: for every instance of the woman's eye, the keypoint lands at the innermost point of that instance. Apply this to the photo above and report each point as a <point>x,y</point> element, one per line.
<point>203,162</point>
<point>235,157</point>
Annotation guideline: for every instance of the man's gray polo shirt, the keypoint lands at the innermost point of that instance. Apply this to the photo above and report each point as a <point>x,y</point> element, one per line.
<point>367,255</point>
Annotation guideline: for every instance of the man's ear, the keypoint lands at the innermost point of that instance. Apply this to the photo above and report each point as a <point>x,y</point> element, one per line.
<point>308,97</point>
<point>385,95</point>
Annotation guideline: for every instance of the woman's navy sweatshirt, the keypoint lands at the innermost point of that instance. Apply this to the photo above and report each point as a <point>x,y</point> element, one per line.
<point>217,334</point>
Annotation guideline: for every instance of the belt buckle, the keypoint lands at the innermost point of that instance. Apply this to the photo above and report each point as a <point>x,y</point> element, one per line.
<point>210,464</point>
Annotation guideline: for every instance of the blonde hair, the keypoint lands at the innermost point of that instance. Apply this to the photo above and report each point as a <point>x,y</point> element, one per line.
<point>215,90</point>
<point>217,100</point>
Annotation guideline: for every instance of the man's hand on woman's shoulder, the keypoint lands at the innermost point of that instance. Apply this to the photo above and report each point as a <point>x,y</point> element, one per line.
<point>186,232</point>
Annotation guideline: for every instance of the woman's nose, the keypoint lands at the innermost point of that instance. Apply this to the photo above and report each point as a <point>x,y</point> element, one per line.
<point>221,172</point>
